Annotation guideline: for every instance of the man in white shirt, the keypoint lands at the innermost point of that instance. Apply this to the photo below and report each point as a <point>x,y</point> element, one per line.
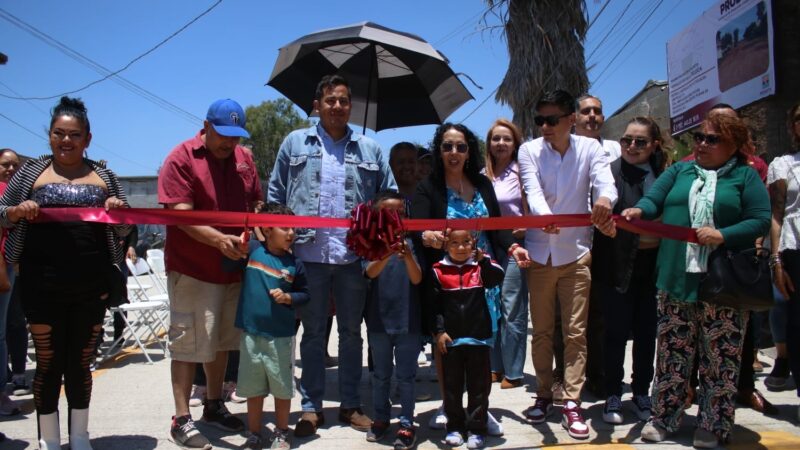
<point>589,122</point>
<point>560,172</point>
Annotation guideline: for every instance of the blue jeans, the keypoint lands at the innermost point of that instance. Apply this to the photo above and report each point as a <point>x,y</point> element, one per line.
<point>508,354</point>
<point>5,299</point>
<point>386,348</point>
<point>349,288</point>
<point>778,318</point>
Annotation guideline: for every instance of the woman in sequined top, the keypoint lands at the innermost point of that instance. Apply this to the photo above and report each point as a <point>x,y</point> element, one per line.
<point>66,269</point>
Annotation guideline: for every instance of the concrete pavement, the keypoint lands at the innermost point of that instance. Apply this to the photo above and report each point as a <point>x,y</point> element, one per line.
<point>132,405</point>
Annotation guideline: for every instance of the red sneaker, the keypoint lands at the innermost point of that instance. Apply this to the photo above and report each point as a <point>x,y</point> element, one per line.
<point>573,422</point>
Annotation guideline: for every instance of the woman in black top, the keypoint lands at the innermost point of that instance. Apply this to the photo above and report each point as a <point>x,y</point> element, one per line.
<point>66,271</point>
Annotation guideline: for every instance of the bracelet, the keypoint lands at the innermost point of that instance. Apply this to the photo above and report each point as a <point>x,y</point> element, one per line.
<point>513,247</point>
<point>775,260</point>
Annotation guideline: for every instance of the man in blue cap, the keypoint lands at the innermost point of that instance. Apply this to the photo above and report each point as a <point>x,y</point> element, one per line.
<point>209,172</point>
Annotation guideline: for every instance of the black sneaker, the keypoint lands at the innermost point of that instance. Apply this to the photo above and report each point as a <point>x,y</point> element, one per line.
<point>377,431</point>
<point>185,435</point>
<point>216,414</point>
<point>405,439</point>
<point>20,385</point>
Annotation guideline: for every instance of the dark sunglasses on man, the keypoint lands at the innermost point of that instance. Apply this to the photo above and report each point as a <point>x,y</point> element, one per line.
<point>710,139</point>
<point>448,147</point>
<point>549,120</point>
<point>638,143</point>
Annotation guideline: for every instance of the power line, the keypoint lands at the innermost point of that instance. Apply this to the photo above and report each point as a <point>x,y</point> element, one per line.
<point>597,47</point>
<point>610,63</point>
<point>23,127</point>
<point>591,23</point>
<point>630,21</point>
<point>151,50</point>
<point>459,28</point>
<point>641,41</point>
<point>97,67</point>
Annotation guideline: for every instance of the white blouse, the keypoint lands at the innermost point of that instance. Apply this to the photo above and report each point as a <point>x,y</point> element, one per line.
<point>787,168</point>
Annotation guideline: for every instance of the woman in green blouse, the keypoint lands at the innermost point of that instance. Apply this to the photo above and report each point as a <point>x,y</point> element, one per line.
<point>724,199</point>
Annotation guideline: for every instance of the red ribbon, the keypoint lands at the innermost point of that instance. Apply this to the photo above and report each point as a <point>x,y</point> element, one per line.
<point>236,219</point>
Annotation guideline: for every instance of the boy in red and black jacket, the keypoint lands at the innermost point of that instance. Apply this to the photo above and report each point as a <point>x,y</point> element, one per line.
<point>463,328</point>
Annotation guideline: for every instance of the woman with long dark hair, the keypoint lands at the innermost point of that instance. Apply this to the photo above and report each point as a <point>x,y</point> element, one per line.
<point>66,269</point>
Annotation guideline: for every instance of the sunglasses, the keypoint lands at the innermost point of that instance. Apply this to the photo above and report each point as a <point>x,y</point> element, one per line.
<point>710,139</point>
<point>461,147</point>
<point>549,120</point>
<point>639,143</point>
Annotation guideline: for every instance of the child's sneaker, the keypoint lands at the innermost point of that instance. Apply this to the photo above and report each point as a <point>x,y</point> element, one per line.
<point>377,430</point>
<point>405,439</point>
<point>642,407</point>
<point>184,434</point>
<point>439,420</point>
<point>573,422</point>
<point>229,393</point>
<point>454,439</point>
<point>215,413</point>
<point>475,441</point>
<point>612,410</point>
<point>198,395</point>
<point>280,440</point>
<point>540,410</point>
<point>254,441</point>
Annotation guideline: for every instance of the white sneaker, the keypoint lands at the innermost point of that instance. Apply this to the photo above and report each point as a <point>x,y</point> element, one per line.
<point>198,395</point>
<point>653,433</point>
<point>493,427</point>
<point>229,393</point>
<point>422,359</point>
<point>454,439</point>
<point>612,410</point>
<point>439,420</point>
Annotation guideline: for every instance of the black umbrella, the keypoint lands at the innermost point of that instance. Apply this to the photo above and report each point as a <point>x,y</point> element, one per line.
<point>408,81</point>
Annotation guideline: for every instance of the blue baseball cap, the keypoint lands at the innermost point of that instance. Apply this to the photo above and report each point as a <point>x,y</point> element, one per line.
<point>227,117</point>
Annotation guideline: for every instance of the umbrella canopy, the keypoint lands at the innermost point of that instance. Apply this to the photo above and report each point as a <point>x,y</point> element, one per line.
<point>396,79</point>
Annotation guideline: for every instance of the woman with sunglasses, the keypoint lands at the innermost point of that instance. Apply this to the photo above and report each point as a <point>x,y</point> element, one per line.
<point>457,190</point>
<point>623,271</point>
<point>784,191</point>
<point>508,356</point>
<point>721,197</point>
<point>66,269</point>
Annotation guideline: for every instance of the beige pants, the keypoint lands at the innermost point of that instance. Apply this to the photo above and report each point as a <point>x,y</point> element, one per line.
<point>570,284</point>
<point>201,318</point>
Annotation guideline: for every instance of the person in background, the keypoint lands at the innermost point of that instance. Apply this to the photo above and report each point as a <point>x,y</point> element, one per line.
<point>589,120</point>
<point>9,163</point>
<point>424,163</point>
<point>508,354</point>
<point>623,274</point>
<point>403,162</point>
<point>463,329</point>
<point>784,189</point>
<point>66,269</point>
<point>393,323</point>
<point>560,171</point>
<point>326,170</point>
<point>209,172</point>
<point>720,196</point>
<point>274,284</point>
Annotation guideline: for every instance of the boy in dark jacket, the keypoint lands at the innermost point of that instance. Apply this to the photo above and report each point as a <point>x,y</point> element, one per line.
<point>463,328</point>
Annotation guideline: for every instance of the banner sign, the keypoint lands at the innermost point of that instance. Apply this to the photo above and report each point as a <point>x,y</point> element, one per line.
<point>725,56</point>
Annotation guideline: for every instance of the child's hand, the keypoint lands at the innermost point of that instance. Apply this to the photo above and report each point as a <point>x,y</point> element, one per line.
<point>280,297</point>
<point>442,339</point>
<point>478,255</point>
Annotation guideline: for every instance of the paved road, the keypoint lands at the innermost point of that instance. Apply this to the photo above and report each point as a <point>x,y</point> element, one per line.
<point>132,405</point>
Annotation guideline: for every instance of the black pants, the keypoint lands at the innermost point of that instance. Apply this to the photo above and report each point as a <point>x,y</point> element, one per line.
<point>16,333</point>
<point>633,312</point>
<point>468,363</point>
<point>64,333</point>
<point>791,263</point>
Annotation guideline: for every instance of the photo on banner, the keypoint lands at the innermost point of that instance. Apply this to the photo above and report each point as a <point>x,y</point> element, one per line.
<point>725,56</point>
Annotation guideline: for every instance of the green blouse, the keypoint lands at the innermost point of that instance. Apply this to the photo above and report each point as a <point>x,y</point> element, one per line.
<point>741,213</point>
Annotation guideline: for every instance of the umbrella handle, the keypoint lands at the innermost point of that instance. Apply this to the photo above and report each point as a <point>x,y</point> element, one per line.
<point>372,58</point>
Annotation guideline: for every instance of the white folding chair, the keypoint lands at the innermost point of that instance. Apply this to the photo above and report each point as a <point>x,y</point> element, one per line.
<point>145,320</point>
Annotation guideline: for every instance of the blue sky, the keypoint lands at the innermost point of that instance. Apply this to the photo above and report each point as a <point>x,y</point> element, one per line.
<point>230,53</point>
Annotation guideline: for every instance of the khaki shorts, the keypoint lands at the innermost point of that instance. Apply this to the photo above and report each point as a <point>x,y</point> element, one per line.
<point>201,318</point>
<point>266,366</point>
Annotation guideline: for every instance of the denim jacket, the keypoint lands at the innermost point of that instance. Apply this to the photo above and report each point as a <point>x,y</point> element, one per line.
<point>295,179</point>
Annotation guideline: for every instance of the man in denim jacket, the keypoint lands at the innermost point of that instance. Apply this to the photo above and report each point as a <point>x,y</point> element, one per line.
<point>325,171</point>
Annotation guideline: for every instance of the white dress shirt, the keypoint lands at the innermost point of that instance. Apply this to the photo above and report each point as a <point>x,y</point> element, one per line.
<point>561,185</point>
<point>612,149</point>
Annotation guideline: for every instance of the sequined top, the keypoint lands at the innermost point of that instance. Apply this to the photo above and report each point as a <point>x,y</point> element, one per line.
<point>62,194</point>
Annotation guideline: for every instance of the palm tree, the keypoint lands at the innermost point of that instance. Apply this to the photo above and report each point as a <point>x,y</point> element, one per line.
<point>545,47</point>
